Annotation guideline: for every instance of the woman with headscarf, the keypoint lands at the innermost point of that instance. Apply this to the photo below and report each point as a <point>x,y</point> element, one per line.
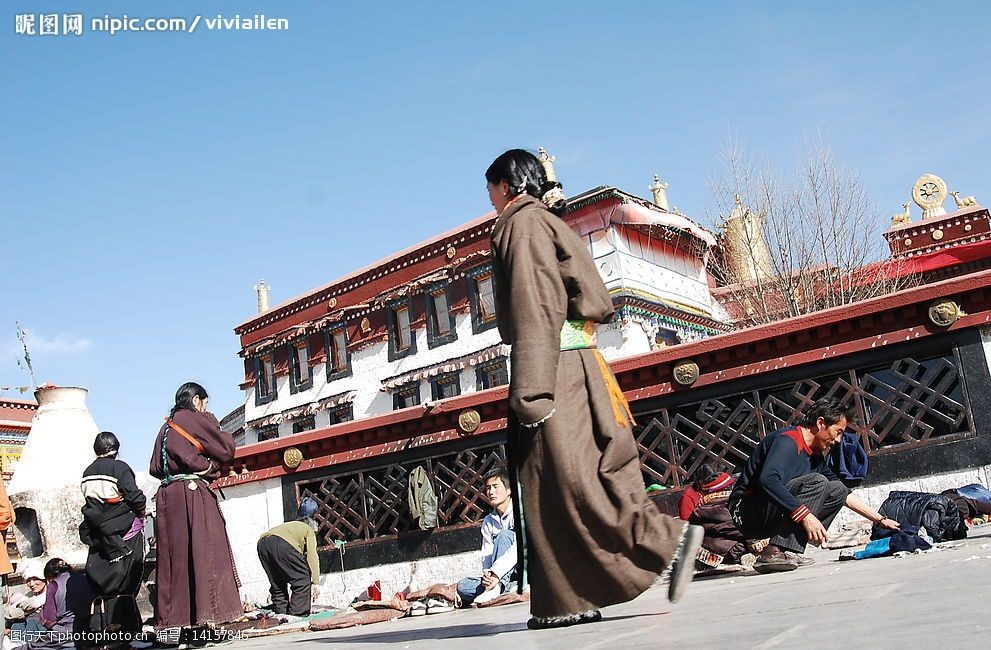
<point>196,578</point>
<point>288,554</point>
<point>113,522</point>
<point>591,537</point>
<point>67,604</point>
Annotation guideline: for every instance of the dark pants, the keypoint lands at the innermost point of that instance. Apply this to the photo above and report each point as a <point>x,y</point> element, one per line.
<point>284,566</point>
<point>760,518</point>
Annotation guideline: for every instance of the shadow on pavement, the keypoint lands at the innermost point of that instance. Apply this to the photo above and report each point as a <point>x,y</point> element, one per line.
<point>424,634</point>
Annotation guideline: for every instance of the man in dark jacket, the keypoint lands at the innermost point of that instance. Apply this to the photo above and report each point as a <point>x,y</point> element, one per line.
<point>786,491</point>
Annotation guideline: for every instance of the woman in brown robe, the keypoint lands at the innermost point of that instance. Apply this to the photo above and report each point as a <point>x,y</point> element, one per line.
<point>196,579</point>
<point>592,536</point>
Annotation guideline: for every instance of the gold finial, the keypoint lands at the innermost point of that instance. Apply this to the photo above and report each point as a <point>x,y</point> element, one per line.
<point>902,217</point>
<point>548,163</point>
<point>262,290</point>
<point>660,195</point>
<point>964,202</point>
<point>748,254</point>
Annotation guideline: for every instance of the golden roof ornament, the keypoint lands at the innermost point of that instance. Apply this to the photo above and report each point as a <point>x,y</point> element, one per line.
<point>965,202</point>
<point>262,289</point>
<point>548,163</point>
<point>658,189</point>
<point>555,194</point>
<point>902,217</point>
<point>929,192</point>
<point>748,254</point>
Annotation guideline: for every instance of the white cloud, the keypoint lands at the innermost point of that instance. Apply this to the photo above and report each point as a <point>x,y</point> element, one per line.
<point>40,345</point>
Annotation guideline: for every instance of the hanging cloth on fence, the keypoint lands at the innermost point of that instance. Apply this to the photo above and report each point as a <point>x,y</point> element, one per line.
<point>422,499</point>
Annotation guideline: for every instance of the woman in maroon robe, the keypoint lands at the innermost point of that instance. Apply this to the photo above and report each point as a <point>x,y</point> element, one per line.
<point>196,579</point>
<point>591,536</point>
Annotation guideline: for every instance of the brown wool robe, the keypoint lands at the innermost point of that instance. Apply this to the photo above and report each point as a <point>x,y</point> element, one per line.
<point>197,581</point>
<point>593,537</point>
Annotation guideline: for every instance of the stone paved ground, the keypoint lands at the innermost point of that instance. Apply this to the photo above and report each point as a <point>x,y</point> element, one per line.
<point>932,600</point>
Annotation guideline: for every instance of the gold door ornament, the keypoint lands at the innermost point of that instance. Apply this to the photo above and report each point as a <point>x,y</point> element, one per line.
<point>292,457</point>
<point>686,372</point>
<point>944,313</point>
<point>469,420</point>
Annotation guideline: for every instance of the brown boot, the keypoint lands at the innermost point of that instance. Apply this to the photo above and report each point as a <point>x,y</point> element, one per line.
<point>772,559</point>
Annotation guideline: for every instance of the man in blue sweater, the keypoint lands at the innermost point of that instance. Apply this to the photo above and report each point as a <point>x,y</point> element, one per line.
<point>786,491</point>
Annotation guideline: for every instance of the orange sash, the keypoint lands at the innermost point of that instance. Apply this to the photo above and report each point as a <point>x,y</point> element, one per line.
<point>193,441</point>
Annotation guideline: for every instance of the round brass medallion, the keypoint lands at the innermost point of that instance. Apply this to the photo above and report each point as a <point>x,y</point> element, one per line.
<point>686,372</point>
<point>451,252</point>
<point>468,420</point>
<point>937,234</point>
<point>292,457</point>
<point>944,313</point>
<point>908,242</point>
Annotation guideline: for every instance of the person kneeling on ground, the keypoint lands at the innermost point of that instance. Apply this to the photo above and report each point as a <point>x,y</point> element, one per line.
<point>786,491</point>
<point>498,545</point>
<point>704,504</point>
<point>288,554</point>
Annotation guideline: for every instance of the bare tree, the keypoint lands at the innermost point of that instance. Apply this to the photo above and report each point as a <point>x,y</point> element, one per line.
<point>795,245</point>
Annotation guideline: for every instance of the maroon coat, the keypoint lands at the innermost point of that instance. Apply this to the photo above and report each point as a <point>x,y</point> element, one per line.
<point>197,581</point>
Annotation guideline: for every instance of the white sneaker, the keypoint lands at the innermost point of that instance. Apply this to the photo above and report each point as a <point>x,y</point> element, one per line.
<point>438,606</point>
<point>417,608</point>
<point>488,594</point>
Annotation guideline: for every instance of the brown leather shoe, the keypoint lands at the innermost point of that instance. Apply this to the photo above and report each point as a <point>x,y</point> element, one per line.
<point>799,559</point>
<point>772,559</point>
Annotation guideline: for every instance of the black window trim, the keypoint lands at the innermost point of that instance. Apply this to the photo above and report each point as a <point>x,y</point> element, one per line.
<point>340,408</point>
<point>273,384</point>
<point>482,372</point>
<point>447,378</point>
<point>391,308</point>
<point>433,339</point>
<point>412,388</point>
<point>332,372</point>
<point>298,421</point>
<point>295,384</point>
<point>262,430</point>
<point>477,325</point>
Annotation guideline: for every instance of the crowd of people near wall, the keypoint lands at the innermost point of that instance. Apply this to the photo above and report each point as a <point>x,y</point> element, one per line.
<point>571,525</point>
<point>196,584</point>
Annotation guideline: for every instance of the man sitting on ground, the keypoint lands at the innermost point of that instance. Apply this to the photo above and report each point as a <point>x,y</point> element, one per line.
<point>498,545</point>
<point>787,493</point>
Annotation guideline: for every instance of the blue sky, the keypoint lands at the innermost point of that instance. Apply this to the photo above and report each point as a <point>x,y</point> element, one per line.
<point>149,180</point>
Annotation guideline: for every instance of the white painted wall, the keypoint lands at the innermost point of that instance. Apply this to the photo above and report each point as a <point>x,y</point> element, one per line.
<point>251,509</point>
<point>370,366</point>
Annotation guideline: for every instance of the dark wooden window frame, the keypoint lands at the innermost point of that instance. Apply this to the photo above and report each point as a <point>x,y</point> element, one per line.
<point>269,432</point>
<point>445,379</point>
<point>406,390</point>
<point>269,379</point>
<point>296,373</point>
<point>305,423</point>
<point>483,372</point>
<point>332,371</point>
<point>341,413</point>
<point>393,322</point>
<point>433,338</point>
<point>478,324</point>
